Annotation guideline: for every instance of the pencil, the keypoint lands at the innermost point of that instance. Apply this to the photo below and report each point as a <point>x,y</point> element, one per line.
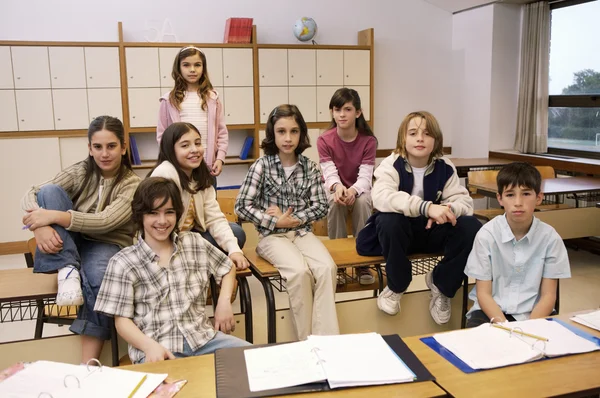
<point>533,336</point>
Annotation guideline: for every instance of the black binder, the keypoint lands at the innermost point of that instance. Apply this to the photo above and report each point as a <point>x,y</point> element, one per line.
<point>232,376</point>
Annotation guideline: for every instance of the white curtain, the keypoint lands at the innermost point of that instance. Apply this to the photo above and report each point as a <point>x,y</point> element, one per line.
<point>532,112</point>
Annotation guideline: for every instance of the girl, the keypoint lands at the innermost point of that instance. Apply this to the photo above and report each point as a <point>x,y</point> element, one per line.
<point>194,101</point>
<point>423,208</point>
<point>347,157</point>
<point>281,195</point>
<point>181,160</point>
<point>80,219</point>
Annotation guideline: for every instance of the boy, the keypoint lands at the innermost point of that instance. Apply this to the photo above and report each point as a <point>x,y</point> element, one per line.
<point>156,289</point>
<point>516,258</point>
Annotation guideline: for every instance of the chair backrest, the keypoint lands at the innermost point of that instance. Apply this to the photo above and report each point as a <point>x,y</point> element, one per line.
<point>30,255</point>
<point>546,171</point>
<point>481,177</point>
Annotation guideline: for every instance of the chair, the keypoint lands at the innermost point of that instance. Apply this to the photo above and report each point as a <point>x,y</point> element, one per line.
<point>60,315</point>
<point>481,177</point>
<point>546,171</point>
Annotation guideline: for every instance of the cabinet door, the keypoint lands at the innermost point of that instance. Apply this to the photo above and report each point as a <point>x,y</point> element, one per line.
<point>239,105</point>
<point>302,67</point>
<point>70,109</point>
<point>105,101</point>
<point>102,67</point>
<point>214,63</point>
<point>143,107</point>
<point>30,67</point>
<point>34,108</point>
<point>364,92</point>
<point>8,121</point>
<point>166,58</point>
<point>330,68</point>
<point>142,67</point>
<point>237,67</point>
<point>6,70</point>
<point>272,67</point>
<point>67,67</point>
<point>324,94</point>
<point>270,97</point>
<point>305,98</point>
<point>357,67</point>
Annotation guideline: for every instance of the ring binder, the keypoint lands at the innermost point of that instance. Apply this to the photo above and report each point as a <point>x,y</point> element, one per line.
<point>95,360</point>
<point>73,376</point>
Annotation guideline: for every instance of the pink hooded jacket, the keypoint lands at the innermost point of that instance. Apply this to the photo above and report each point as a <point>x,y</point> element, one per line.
<point>218,137</point>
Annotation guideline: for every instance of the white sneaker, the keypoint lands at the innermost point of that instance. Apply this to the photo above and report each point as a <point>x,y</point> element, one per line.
<point>69,287</point>
<point>439,306</point>
<point>364,276</point>
<point>389,301</point>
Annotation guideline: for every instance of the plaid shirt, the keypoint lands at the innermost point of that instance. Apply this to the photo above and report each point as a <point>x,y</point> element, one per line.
<point>166,304</point>
<point>266,185</point>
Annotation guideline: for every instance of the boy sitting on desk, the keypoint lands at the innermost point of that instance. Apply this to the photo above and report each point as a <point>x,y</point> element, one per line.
<point>516,258</point>
<point>156,289</point>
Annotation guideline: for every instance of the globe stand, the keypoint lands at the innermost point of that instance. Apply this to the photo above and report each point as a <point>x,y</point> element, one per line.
<point>314,42</point>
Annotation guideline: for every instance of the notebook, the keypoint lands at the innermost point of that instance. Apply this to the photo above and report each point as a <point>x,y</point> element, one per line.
<point>591,319</point>
<point>61,380</point>
<point>231,363</point>
<point>487,347</point>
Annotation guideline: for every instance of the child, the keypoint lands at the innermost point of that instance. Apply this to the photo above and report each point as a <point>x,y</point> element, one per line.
<point>180,159</point>
<point>194,101</point>
<point>80,219</point>
<point>423,209</point>
<point>347,156</point>
<point>516,258</point>
<point>156,289</point>
<point>281,195</point>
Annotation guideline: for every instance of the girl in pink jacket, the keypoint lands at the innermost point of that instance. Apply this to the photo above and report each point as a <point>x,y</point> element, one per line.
<point>194,101</point>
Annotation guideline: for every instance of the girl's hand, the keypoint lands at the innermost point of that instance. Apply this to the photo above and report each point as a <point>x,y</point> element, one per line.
<point>287,220</point>
<point>441,215</point>
<point>239,260</point>
<point>48,240</point>
<point>350,196</point>
<point>156,353</point>
<point>339,196</point>
<point>224,317</point>
<point>37,218</point>
<point>217,167</point>
<point>274,211</point>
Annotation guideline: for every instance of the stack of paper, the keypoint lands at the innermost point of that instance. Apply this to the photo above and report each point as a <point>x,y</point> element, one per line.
<point>591,319</point>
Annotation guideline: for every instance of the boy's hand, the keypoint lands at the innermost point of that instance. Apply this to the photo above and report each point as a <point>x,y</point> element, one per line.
<point>274,211</point>
<point>156,352</point>
<point>48,240</point>
<point>287,220</point>
<point>239,260</point>
<point>224,316</point>
<point>340,193</point>
<point>440,215</point>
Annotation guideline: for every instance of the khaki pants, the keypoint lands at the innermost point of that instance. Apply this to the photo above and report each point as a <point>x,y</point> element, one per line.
<point>336,216</point>
<point>310,275</point>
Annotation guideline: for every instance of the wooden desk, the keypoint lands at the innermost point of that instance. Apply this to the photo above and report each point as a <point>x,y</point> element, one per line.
<point>573,374</point>
<point>464,165</point>
<point>550,186</point>
<point>200,374</point>
<point>23,284</point>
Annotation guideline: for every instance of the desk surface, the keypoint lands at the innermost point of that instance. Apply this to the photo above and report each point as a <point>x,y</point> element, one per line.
<point>479,162</point>
<point>554,377</point>
<point>552,186</point>
<point>200,374</point>
<point>23,284</point>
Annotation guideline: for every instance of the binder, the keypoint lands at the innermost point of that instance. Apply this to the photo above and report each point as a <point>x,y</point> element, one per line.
<point>232,379</point>
<point>135,154</point>
<point>246,147</point>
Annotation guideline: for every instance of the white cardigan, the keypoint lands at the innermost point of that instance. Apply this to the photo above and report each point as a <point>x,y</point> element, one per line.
<point>208,213</point>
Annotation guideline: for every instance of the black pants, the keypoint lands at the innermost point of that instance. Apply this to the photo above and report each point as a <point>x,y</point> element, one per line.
<point>401,236</point>
<point>478,317</point>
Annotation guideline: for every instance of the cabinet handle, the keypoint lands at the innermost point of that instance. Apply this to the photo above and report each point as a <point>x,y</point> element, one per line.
<point>133,117</point>
<point>18,77</point>
<point>227,77</point>
<point>131,77</point>
<point>292,76</point>
<point>22,120</point>
<point>347,76</point>
<point>320,76</point>
<point>55,78</point>
<point>91,77</point>
<point>229,114</point>
<point>58,119</point>
<point>263,76</point>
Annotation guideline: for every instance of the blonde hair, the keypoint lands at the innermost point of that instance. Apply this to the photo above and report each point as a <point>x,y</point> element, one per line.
<point>433,128</point>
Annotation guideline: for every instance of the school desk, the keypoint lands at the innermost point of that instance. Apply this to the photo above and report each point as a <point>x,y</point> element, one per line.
<point>569,375</point>
<point>200,374</point>
<point>464,165</point>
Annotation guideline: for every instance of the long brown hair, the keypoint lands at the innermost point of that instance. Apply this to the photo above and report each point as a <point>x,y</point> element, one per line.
<point>433,128</point>
<point>285,110</point>
<point>91,180</point>
<point>340,98</point>
<point>178,93</point>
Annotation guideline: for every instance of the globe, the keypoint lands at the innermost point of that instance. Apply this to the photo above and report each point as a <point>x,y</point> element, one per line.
<point>305,29</point>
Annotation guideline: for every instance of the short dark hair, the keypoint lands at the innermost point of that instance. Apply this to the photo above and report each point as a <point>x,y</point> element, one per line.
<point>268,144</point>
<point>519,174</point>
<point>150,190</point>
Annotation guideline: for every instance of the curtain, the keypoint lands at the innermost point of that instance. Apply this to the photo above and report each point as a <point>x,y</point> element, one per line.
<point>532,112</point>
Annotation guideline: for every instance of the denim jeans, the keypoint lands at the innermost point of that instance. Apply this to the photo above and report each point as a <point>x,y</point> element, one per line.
<point>90,257</point>
<point>238,232</point>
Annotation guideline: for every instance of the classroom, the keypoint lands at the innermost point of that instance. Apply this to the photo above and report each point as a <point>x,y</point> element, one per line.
<point>460,60</point>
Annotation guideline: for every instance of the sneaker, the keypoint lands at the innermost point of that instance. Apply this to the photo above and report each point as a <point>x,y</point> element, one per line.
<point>364,276</point>
<point>69,287</point>
<point>389,301</point>
<point>341,276</point>
<point>439,306</point>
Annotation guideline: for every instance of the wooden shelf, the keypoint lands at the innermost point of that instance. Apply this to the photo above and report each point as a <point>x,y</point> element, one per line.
<point>229,161</point>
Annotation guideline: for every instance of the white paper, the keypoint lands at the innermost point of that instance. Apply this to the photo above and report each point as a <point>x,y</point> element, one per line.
<point>591,319</point>
<point>152,381</point>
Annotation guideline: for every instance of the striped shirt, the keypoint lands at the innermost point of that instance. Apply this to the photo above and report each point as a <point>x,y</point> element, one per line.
<point>266,185</point>
<point>165,303</point>
<point>192,112</point>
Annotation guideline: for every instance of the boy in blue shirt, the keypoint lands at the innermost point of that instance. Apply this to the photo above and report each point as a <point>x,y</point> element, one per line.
<point>516,258</point>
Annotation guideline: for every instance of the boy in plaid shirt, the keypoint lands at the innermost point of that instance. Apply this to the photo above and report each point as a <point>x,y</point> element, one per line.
<point>156,289</point>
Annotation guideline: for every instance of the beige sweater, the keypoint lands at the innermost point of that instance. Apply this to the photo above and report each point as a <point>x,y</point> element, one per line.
<point>112,223</point>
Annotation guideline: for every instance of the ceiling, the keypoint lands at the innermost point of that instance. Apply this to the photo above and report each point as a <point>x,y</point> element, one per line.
<point>461,5</point>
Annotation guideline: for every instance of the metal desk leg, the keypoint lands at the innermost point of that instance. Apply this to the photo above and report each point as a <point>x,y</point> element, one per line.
<point>270,299</point>
<point>39,322</point>
<point>465,300</point>
<point>114,343</point>
<point>380,276</point>
<point>246,307</point>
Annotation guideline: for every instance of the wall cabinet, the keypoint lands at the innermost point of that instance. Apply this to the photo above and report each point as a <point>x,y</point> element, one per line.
<point>70,109</point>
<point>67,67</point>
<point>35,110</point>
<point>237,67</point>
<point>6,69</point>
<point>102,67</point>
<point>8,121</point>
<point>31,67</point>
<point>142,67</point>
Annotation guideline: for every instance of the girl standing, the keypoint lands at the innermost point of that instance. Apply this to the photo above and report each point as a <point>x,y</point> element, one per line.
<point>80,219</point>
<point>281,195</point>
<point>181,160</point>
<point>194,101</point>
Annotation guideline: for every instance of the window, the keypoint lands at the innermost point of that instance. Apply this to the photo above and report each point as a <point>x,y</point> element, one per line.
<point>574,102</point>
